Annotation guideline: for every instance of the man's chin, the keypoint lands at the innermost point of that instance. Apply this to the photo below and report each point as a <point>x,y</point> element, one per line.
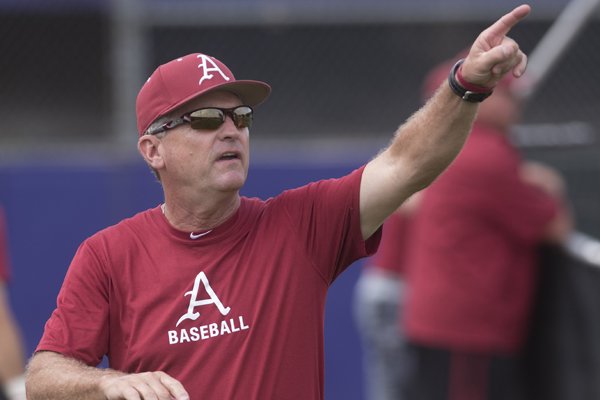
<point>232,183</point>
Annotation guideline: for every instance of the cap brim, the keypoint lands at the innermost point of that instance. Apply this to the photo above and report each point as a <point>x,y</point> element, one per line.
<point>252,93</point>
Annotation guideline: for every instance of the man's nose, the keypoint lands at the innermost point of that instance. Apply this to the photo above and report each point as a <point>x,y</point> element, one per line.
<point>229,129</point>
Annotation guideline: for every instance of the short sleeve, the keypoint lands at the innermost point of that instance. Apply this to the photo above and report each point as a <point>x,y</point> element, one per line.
<point>78,327</point>
<point>326,218</point>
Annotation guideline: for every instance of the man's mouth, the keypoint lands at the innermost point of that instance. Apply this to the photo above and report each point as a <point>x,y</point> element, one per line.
<point>229,156</point>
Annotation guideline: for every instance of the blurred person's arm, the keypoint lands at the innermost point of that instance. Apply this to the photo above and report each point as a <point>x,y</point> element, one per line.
<point>12,357</point>
<point>551,182</point>
<point>54,376</point>
<point>428,141</point>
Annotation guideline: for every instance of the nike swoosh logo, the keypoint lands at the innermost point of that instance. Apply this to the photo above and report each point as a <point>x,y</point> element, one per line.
<point>194,237</point>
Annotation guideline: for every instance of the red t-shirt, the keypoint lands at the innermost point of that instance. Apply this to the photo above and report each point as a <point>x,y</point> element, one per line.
<point>235,314</point>
<point>394,246</point>
<point>473,257</point>
<point>4,264</point>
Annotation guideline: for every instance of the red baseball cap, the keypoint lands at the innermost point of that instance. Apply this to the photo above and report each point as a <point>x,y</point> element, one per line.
<point>183,79</point>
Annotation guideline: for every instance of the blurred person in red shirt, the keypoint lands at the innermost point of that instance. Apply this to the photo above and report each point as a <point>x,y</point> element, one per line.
<point>473,259</point>
<point>378,303</point>
<point>12,359</point>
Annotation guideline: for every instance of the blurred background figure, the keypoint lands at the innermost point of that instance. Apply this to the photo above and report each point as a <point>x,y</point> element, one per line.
<point>473,260</point>
<point>12,383</point>
<point>68,166</point>
<point>378,305</point>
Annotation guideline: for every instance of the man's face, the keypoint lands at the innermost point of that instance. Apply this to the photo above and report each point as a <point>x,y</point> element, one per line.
<point>204,161</point>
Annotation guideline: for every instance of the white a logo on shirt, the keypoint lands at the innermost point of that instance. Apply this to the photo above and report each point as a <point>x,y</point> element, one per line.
<point>194,302</point>
<point>207,65</point>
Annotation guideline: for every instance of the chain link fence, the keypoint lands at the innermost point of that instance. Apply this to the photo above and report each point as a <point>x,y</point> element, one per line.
<point>343,74</point>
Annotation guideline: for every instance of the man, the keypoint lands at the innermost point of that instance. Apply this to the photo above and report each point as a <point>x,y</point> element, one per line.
<point>473,260</point>
<point>12,359</point>
<point>215,296</point>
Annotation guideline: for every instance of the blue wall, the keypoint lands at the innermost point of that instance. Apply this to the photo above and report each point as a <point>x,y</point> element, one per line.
<point>52,206</point>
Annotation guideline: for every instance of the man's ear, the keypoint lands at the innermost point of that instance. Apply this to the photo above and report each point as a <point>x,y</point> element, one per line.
<point>150,148</point>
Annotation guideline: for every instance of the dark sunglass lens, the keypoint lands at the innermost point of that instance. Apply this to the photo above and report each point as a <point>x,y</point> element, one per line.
<point>207,118</point>
<point>242,116</point>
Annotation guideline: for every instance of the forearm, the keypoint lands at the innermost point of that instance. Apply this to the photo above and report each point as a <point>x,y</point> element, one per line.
<point>430,139</point>
<point>11,347</point>
<point>12,360</point>
<point>420,150</point>
<point>11,353</point>
<point>54,376</point>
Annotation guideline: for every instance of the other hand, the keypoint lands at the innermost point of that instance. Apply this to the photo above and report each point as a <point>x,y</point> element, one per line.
<point>143,386</point>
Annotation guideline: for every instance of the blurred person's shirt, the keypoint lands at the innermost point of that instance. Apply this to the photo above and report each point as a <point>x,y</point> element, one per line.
<point>393,249</point>
<point>474,251</point>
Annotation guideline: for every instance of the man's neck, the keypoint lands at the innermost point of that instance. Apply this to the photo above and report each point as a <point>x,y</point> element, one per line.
<point>194,216</point>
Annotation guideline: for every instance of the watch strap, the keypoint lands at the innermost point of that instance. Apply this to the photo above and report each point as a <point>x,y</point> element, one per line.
<point>473,94</point>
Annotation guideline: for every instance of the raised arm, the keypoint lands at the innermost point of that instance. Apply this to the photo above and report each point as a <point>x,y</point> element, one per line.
<point>54,376</point>
<point>429,140</point>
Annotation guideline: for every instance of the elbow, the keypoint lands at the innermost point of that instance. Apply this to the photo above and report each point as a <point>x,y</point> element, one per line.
<point>33,377</point>
<point>424,169</point>
<point>422,177</point>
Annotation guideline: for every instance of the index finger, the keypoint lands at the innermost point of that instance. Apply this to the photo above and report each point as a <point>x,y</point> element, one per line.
<point>501,27</point>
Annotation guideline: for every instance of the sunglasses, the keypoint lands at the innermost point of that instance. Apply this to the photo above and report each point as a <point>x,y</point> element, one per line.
<point>209,118</point>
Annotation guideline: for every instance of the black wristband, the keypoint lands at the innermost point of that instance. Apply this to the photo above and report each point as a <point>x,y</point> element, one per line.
<point>466,95</point>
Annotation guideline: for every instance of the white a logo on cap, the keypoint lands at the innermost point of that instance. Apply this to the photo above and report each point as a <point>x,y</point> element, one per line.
<point>207,65</point>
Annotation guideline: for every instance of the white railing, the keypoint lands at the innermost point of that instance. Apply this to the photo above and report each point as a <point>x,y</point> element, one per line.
<point>584,248</point>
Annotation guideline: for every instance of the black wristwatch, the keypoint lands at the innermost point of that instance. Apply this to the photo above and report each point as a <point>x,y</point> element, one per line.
<point>463,93</point>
